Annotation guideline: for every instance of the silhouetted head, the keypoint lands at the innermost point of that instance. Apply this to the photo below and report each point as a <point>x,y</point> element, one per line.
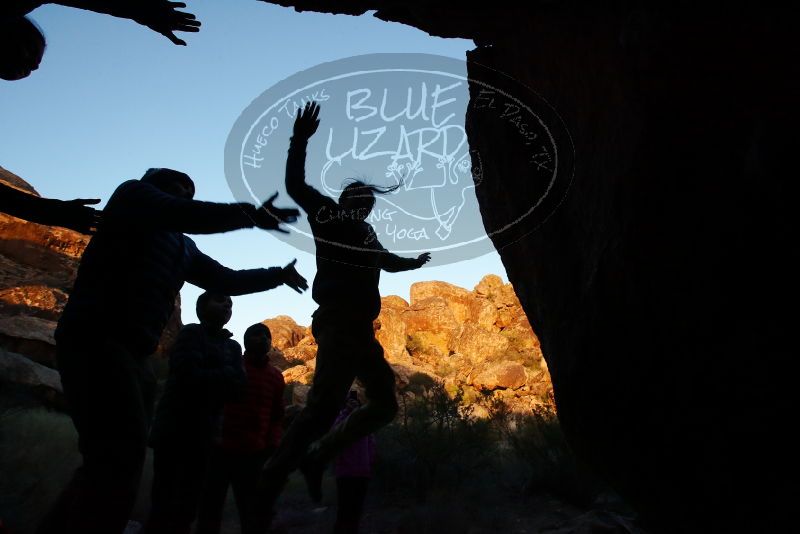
<point>171,182</point>
<point>22,46</point>
<point>214,309</point>
<point>358,198</point>
<point>257,339</point>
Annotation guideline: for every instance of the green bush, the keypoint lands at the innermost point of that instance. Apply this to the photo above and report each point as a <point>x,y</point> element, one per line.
<point>435,443</point>
<point>534,448</point>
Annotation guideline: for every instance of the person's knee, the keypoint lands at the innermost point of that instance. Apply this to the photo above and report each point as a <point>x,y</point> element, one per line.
<point>384,408</point>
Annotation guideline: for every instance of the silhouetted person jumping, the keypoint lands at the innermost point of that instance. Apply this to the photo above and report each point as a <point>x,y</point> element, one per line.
<point>22,43</point>
<point>349,262</point>
<point>124,294</point>
<point>73,214</point>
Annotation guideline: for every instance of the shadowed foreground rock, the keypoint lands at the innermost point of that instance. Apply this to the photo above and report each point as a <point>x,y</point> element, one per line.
<point>659,287</point>
<point>36,380</point>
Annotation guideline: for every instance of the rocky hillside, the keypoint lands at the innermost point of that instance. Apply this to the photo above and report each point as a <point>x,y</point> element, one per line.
<point>479,341</point>
<point>37,268</point>
<point>38,265</point>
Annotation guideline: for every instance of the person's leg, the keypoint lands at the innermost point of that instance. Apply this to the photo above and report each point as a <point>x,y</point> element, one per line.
<point>245,471</point>
<point>351,493</point>
<point>333,377</point>
<point>378,379</point>
<point>215,492</point>
<point>165,481</point>
<point>180,470</point>
<point>193,474</point>
<point>110,394</point>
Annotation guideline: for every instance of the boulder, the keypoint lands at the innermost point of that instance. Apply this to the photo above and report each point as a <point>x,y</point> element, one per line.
<point>278,360</point>
<point>390,331</point>
<point>299,374</point>
<point>393,301</point>
<point>35,300</point>
<point>38,382</point>
<point>502,375</point>
<point>17,369</point>
<point>285,331</point>
<point>431,314</point>
<point>30,336</point>
<point>480,345</point>
<point>303,351</point>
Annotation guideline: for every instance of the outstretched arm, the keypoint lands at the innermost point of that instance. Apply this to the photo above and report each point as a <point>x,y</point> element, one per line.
<point>306,196</point>
<point>161,16</point>
<point>73,214</point>
<point>137,204</point>
<point>394,264</point>
<point>208,274</point>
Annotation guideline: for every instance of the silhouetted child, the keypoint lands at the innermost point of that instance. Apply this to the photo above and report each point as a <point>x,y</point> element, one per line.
<point>349,262</point>
<point>22,43</point>
<point>205,370</point>
<point>124,294</point>
<point>353,469</point>
<point>251,430</point>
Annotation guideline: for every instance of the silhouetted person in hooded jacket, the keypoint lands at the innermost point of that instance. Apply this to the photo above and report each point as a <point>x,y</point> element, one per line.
<point>349,262</point>
<point>124,294</point>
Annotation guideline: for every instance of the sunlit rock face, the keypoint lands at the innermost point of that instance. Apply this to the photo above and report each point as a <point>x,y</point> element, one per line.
<point>443,333</point>
<point>38,264</point>
<point>659,287</point>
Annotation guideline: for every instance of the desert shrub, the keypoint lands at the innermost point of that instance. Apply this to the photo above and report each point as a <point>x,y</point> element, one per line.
<point>434,443</point>
<point>536,453</point>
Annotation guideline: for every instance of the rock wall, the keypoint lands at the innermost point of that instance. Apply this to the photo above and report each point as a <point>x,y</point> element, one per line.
<point>37,268</point>
<point>659,288</point>
<point>479,341</point>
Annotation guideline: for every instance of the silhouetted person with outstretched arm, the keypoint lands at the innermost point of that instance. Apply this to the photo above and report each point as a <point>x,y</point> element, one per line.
<point>124,294</point>
<point>73,214</point>
<point>22,44</point>
<point>349,262</point>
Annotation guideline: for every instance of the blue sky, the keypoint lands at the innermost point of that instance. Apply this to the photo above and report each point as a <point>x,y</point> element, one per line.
<point>112,99</point>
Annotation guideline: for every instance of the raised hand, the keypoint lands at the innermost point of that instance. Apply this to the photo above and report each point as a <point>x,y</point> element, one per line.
<point>269,217</point>
<point>162,16</point>
<point>424,258</point>
<point>294,279</point>
<point>307,121</point>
